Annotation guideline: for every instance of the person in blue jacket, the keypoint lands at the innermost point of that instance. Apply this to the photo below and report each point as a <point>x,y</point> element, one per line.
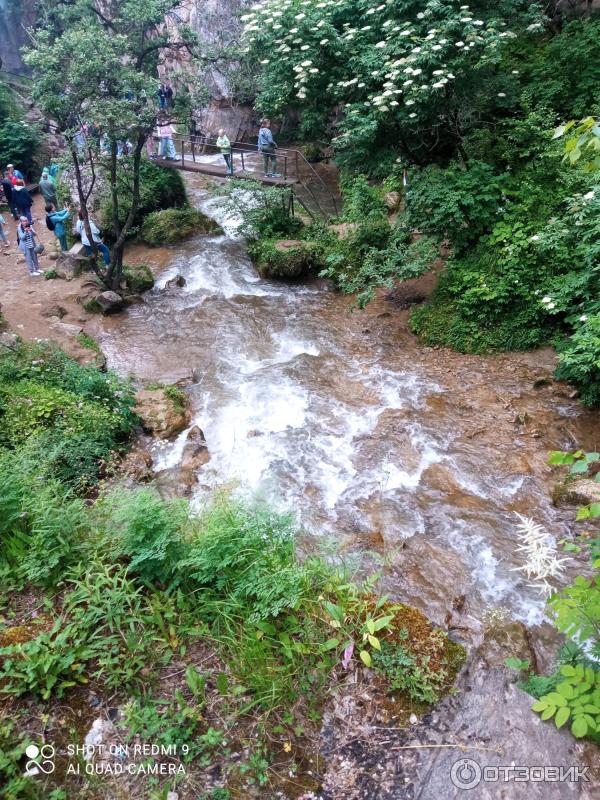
<point>58,219</point>
<point>267,146</point>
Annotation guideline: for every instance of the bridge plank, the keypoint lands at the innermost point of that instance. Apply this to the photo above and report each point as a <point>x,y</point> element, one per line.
<point>221,172</point>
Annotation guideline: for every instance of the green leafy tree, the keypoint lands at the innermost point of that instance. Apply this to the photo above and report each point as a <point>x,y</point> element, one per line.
<point>412,73</point>
<point>96,63</point>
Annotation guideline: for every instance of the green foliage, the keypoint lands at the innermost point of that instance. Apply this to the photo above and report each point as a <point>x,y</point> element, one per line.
<point>248,556</point>
<point>139,278</point>
<point>276,260</point>
<point>13,744</point>
<point>408,673</point>
<point>165,722</point>
<point>576,699</point>
<point>576,611</point>
<point>461,204</point>
<point>172,225</point>
<point>50,663</point>
<point>265,211</point>
<point>579,359</point>
<point>40,523</point>
<point>147,531</point>
<point>67,419</point>
<point>583,144</point>
<point>411,77</point>
<point>159,189</point>
<point>19,142</point>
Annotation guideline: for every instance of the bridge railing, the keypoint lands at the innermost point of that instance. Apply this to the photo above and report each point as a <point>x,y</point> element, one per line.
<point>292,164</point>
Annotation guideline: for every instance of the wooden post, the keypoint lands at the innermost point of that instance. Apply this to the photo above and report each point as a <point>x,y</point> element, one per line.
<point>243,165</point>
<point>193,151</point>
<point>285,167</point>
<point>297,167</point>
<point>182,153</point>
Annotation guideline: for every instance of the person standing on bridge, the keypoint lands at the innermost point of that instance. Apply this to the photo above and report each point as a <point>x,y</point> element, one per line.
<point>267,146</point>
<point>224,146</point>
<point>166,132</point>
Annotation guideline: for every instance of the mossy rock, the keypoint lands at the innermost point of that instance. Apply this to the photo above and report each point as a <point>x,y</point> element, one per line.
<point>286,258</point>
<point>138,277</point>
<point>174,225</point>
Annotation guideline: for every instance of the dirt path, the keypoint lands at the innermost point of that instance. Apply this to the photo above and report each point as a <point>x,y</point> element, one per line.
<point>28,303</point>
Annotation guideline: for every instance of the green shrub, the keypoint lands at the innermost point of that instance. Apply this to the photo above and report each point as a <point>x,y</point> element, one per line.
<point>147,531</point>
<point>19,142</point>
<point>139,277</point>
<point>455,203</point>
<point>68,419</point>
<point>159,189</point>
<point>173,225</point>
<point>246,555</point>
<point>579,360</point>
<point>266,212</point>
<point>40,523</point>
<point>48,664</point>
<point>273,260</point>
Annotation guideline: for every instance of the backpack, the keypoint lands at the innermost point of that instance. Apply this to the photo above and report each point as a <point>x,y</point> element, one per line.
<point>49,224</point>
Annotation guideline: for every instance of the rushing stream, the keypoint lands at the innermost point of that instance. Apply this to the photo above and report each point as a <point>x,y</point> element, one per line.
<point>422,455</point>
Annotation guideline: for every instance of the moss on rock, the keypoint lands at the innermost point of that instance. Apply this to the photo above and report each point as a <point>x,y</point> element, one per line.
<point>286,258</point>
<point>174,225</point>
<point>139,277</point>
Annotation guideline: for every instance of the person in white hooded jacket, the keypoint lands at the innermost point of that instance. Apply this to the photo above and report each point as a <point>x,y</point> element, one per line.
<point>102,248</point>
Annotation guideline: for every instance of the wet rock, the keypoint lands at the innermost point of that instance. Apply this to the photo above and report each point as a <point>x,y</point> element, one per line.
<point>428,577</point>
<point>70,265</point>
<point>392,200</point>
<point>109,302</point>
<point>488,714</point>
<point>195,452</point>
<point>138,465</point>
<point>577,493</point>
<point>54,311</point>
<point>9,339</point>
<point>174,482</point>
<point>66,328</point>
<point>132,299</point>
<point>160,413</point>
<point>177,282</point>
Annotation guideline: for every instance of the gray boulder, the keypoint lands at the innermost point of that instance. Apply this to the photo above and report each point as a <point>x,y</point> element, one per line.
<point>109,302</point>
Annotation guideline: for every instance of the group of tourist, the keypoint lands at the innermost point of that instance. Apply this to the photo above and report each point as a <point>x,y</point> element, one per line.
<point>266,145</point>
<point>19,200</point>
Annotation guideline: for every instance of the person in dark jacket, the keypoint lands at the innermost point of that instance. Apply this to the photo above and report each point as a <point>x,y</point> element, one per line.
<point>7,188</point>
<point>169,95</point>
<point>267,146</point>
<point>22,200</point>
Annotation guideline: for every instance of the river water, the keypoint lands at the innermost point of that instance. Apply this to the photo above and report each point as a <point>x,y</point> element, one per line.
<point>414,459</point>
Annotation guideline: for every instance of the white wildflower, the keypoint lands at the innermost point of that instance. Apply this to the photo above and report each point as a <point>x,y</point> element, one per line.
<point>541,561</point>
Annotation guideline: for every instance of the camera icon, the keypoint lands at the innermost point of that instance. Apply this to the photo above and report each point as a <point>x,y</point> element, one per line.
<point>41,759</point>
<point>465,773</point>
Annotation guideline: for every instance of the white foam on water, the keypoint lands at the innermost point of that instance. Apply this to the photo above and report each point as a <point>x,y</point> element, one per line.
<point>494,580</point>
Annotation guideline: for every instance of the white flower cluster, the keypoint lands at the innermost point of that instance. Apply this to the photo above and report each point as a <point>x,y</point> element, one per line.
<point>549,304</point>
<point>541,561</point>
<point>310,40</point>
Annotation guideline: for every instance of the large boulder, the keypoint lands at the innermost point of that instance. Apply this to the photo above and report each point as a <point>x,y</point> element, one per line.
<point>109,302</point>
<point>71,264</point>
<point>163,412</point>
<point>195,453</point>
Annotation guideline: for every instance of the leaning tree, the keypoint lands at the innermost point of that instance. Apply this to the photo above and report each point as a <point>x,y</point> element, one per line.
<point>95,64</point>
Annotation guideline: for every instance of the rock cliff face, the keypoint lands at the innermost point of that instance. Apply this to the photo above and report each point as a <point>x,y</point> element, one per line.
<point>217,25</point>
<point>15,18</point>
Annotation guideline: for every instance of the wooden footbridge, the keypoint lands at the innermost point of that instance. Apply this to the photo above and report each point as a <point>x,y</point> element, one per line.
<point>320,200</point>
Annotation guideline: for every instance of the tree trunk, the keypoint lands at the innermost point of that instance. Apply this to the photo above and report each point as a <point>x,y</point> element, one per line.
<point>83,198</point>
<point>115,270</point>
